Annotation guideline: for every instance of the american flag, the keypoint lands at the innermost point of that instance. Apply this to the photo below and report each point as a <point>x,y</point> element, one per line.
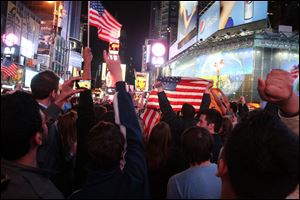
<point>150,117</point>
<point>8,68</point>
<point>180,90</point>
<point>295,72</point>
<point>108,27</point>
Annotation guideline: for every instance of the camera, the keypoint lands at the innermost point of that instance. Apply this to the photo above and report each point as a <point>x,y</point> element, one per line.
<point>83,84</point>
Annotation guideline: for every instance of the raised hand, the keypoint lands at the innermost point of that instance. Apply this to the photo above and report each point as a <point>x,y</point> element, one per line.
<point>114,66</point>
<point>87,58</point>
<point>67,91</point>
<point>278,89</point>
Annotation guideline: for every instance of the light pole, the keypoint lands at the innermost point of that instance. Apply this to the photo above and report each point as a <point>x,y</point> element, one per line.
<point>218,67</point>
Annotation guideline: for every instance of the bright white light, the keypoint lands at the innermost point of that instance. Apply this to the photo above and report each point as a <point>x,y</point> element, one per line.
<point>158,60</point>
<point>158,49</point>
<point>10,39</point>
<point>8,50</point>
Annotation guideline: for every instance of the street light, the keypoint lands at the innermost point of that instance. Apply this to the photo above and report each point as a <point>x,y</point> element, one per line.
<point>218,67</point>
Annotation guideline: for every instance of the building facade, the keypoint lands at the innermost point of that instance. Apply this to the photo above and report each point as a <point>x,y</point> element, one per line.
<point>235,54</point>
<point>20,21</point>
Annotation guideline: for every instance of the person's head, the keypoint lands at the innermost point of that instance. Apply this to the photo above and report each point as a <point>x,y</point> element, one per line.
<point>22,125</point>
<point>45,85</point>
<point>67,128</point>
<point>233,107</point>
<point>99,112</point>
<point>108,116</point>
<point>109,107</point>
<point>158,145</point>
<point>187,111</point>
<point>197,145</point>
<point>105,145</point>
<point>226,128</point>
<point>210,119</point>
<point>242,99</point>
<point>260,158</point>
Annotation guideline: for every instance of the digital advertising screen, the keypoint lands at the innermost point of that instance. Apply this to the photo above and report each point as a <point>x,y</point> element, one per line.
<point>235,68</point>
<point>234,13</point>
<point>226,14</point>
<point>209,21</point>
<point>187,19</point>
<point>187,27</point>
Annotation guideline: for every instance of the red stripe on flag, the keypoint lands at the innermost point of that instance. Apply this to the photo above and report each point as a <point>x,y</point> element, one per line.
<point>108,27</point>
<point>150,118</point>
<point>187,91</point>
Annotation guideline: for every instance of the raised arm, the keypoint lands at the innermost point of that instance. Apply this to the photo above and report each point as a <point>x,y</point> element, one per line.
<point>278,90</point>
<point>85,121</point>
<point>125,116</point>
<point>169,115</point>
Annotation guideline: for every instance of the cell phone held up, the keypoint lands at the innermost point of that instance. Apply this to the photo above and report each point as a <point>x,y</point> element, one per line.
<point>83,84</point>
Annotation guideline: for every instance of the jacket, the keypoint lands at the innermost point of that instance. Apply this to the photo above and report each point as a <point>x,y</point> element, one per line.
<point>130,180</point>
<point>26,182</point>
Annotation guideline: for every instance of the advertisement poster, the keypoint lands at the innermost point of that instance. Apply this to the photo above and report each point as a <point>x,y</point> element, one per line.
<point>235,68</point>
<point>187,27</point>
<point>209,22</point>
<point>141,81</point>
<point>226,14</point>
<point>234,13</point>
<point>45,37</point>
<point>187,19</point>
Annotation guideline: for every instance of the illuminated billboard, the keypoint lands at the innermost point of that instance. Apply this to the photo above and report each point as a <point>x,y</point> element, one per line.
<point>209,21</point>
<point>226,14</point>
<point>234,13</point>
<point>187,21</point>
<point>187,27</point>
<point>236,67</point>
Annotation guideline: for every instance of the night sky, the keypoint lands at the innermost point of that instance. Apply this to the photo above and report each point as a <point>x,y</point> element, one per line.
<point>135,18</point>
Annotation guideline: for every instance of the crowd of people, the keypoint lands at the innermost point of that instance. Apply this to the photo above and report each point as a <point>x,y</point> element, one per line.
<point>55,146</point>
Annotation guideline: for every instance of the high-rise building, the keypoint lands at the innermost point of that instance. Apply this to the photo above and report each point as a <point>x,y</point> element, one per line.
<point>60,44</point>
<point>163,20</point>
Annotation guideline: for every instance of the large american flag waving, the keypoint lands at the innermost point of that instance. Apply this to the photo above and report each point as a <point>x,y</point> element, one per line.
<point>108,27</point>
<point>179,90</point>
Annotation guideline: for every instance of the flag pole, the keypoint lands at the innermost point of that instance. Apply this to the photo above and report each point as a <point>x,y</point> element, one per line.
<point>88,28</point>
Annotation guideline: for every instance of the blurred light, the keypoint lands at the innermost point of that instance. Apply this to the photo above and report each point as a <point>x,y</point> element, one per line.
<point>10,39</point>
<point>50,2</point>
<point>158,49</point>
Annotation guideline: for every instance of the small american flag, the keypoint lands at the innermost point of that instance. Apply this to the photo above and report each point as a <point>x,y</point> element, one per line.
<point>180,90</point>
<point>108,27</point>
<point>295,72</point>
<point>150,117</point>
<point>8,68</point>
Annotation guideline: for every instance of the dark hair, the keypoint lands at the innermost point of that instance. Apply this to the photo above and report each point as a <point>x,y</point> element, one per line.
<point>262,156</point>
<point>226,128</point>
<point>109,116</point>
<point>109,107</point>
<point>105,145</point>
<point>234,107</point>
<point>158,145</point>
<point>20,121</point>
<point>188,111</point>
<point>197,145</point>
<point>43,84</point>
<point>67,128</point>
<point>99,112</point>
<point>214,117</point>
